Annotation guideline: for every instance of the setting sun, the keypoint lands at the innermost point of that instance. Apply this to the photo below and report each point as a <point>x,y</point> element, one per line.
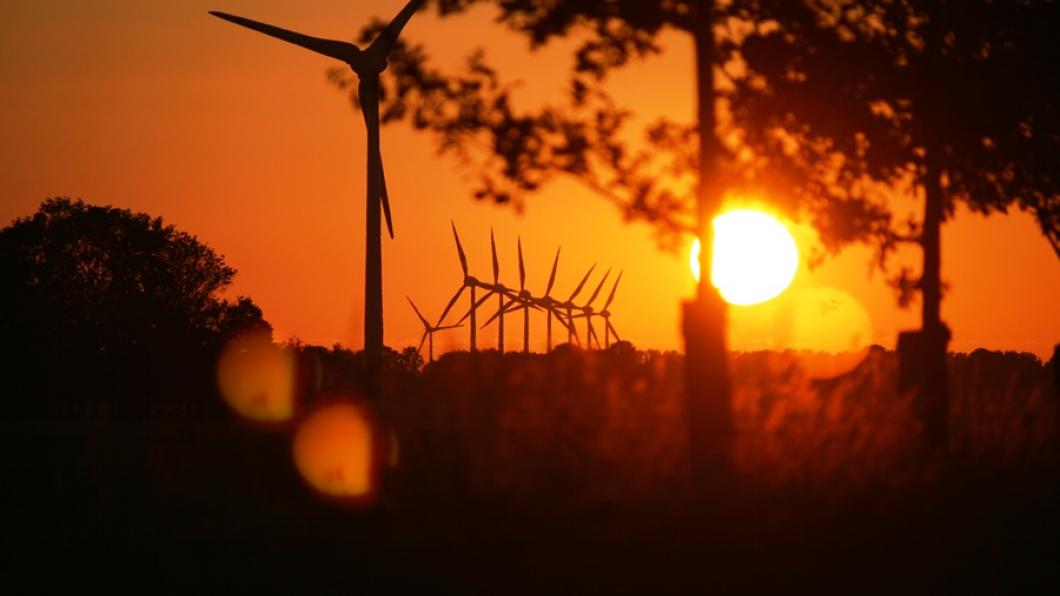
<point>755,257</point>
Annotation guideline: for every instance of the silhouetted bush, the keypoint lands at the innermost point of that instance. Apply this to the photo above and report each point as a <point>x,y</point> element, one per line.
<point>110,313</point>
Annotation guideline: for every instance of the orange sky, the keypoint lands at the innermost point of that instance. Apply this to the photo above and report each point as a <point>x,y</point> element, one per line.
<point>239,139</point>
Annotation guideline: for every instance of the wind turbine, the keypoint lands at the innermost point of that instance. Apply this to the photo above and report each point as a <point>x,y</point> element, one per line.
<point>428,331</point>
<point>523,300</point>
<point>605,314</point>
<point>367,65</point>
<point>572,332</point>
<point>468,282</point>
<point>587,313</point>
<point>549,302</point>
<point>501,292</point>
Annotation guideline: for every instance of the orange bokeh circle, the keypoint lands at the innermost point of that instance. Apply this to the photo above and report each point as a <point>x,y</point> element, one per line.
<point>338,450</point>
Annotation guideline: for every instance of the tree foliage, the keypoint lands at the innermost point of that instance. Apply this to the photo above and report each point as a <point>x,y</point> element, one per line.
<point>104,300</point>
<point>848,103</point>
<point>832,75</point>
<point>473,113</point>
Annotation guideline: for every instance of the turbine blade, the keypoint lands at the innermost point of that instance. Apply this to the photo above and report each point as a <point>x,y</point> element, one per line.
<point>459,249</point>
<point>478,303</point>
<point>496,263</point>
<point>613,331</point>
<point>574,330</point>
<point>500,311</point>
<point>339,50</point>
<point>581,284</point>
<point>522,269</point>
<point>552,276</point>
<point>592,334</point>
<point>418,314</point>
<point>611,296</point>
<point>369,94</point>
<point>599,287</point>
<point>560,316</point>
<point>423,339</point>
<point>386,40</point>
<point>385,196</point>
<point>449,306</point>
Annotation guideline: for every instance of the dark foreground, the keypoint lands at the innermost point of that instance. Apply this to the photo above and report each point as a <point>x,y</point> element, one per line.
<point>547,476</point>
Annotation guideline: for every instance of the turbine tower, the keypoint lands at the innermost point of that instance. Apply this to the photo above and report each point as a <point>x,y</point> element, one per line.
<point>428,331</point>
<point>551,303</point>
<point>367,65</point>
<point>501,293</point>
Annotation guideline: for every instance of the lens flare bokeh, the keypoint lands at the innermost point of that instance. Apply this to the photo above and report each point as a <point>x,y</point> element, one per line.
<point>830,327</point>
<point>334,451</point>
<point>257,378</point>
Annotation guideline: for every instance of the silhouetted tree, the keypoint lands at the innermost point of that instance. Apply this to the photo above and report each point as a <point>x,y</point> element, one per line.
<point>873,64</point>
<point>515,152</point>
<point>847,102</point>
<point>113,309</point>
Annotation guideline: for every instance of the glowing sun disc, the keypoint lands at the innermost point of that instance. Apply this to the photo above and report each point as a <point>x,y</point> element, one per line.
<point>755,257</point>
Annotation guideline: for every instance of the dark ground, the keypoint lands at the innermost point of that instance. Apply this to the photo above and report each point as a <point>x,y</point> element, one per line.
<point>488,499</point>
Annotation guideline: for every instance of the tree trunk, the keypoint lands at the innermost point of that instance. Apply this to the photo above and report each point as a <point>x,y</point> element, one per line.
<point>709,407</point>
<point>922,354</point>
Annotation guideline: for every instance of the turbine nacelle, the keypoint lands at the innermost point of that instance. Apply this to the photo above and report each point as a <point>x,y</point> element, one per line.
<point>366,64</point>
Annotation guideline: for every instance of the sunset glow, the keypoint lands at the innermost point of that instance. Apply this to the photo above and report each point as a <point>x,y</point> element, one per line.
<point>755,257</point>
<point>543,296</point>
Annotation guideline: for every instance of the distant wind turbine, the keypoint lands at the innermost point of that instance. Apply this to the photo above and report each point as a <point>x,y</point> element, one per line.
<point>469,282</point>
<point>605,314</point>
<point>549,302</point>
<point>568,304</point>
<point>587,313</point>
<point>523,301</point>
<point>496,288</point>
<point>428,331</point>
<point>367,64</point>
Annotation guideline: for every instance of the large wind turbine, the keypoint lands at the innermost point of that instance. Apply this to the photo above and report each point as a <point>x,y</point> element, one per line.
<point>367,65</point>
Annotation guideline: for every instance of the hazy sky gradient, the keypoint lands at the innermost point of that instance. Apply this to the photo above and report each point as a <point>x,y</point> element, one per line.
<point>240,140</point>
